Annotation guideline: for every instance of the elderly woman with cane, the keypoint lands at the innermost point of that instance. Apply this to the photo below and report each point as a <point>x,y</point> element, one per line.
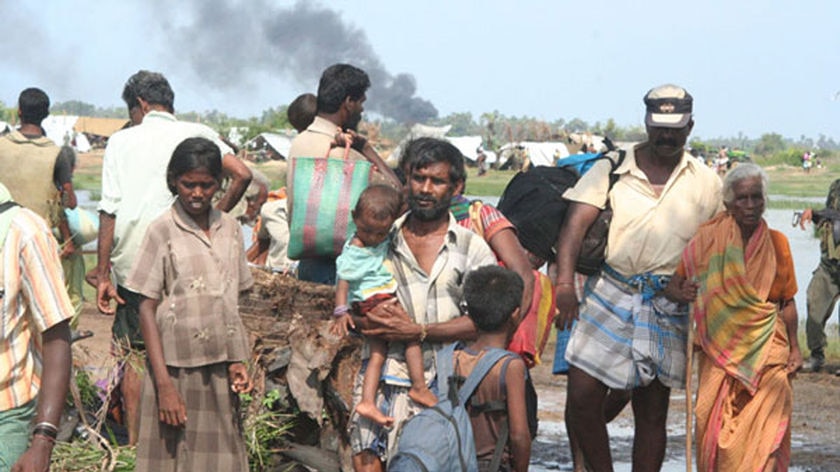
<point>739,274</point>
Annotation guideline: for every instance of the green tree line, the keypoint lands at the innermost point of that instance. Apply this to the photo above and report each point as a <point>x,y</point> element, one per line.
<point>494,127</point>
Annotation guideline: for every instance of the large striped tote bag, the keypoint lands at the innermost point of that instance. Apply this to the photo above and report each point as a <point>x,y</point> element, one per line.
<point>324,191</point>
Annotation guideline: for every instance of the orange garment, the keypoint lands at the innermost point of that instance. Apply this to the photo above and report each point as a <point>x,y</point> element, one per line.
<point>744,399</point>
<point>736,431</point>
<point>532,333</point>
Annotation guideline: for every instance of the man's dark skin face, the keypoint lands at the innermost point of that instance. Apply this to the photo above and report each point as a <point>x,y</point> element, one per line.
<point>430,190</point>
<point>135,114</point>
<point>355,109</point>
<point>669,143</point>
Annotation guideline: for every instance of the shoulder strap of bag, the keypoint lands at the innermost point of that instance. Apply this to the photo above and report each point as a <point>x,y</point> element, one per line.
<point>482,367</point>
<point>7,204</point>
<point>346,151</point>
<point>615,165</point>
<point>504,432</point>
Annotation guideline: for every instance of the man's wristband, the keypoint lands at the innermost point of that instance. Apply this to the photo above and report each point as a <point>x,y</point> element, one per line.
<point>45,429</point>
<point>423,333</point>
<point>341,310</point>
<point>47,425</point>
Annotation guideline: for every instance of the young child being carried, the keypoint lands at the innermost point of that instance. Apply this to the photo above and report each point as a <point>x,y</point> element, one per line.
<point>364,281</point>
<point>492,296</point>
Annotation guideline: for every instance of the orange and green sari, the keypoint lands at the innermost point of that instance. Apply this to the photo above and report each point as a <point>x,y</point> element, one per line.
<point>744,398</point>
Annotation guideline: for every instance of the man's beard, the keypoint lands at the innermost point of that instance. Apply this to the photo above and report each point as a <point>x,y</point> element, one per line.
<point>353,122</point>
<point>433,213</point>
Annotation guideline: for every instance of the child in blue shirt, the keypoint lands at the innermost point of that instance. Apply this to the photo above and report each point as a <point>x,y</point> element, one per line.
<point>364,280</point>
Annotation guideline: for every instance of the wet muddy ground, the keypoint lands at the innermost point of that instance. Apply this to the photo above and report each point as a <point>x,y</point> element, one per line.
<point>815,435</point>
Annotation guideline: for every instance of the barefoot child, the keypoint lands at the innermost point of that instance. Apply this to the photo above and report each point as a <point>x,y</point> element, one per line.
<point>190,269</point>
<point>492,296</point>
<point>366,282</point>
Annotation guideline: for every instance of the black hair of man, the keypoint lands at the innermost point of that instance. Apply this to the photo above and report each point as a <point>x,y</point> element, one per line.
<point>380,201</point>
<point>302,111</point>
<point>191,154</point>
<point>423,152</point>
<point>491,294</point>
<point>34,106</point>
<point>129,94</point>
<point>154,89</point>
<point>338,82</point>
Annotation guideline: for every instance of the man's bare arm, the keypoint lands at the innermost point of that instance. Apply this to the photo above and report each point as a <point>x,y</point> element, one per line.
<point>579,217</point>
<point>390,322</point>
<point>55,381</point>
<point>105,290</point>
<point>506,245</point>
<point>240,177</point>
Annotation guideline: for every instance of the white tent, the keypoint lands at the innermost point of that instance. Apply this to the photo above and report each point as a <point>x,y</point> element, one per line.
<point>59,128</point>
<point>82,143</point>
<point>279,142</point>
<point>469,145</point>
<point>540,153</point>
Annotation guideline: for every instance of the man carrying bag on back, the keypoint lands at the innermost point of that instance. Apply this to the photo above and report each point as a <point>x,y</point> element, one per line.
<point>341,96</point>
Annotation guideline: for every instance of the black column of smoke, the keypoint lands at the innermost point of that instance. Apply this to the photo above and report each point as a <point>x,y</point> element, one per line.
<point>227,39</point>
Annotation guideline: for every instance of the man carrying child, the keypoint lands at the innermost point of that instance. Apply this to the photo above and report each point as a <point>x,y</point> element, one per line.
<point>365,280</point>
<point>430,255</point>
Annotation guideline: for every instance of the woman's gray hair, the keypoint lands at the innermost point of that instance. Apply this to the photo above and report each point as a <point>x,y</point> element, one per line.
<point>746,170</point>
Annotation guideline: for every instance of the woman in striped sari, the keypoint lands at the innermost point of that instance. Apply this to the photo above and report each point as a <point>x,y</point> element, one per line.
<point>740,276</point>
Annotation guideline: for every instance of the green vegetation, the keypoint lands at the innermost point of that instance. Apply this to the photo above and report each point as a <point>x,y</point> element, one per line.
<point>264,427</point>
<point>84,456</point>
<point>490,184</point>
<point>794,182</point>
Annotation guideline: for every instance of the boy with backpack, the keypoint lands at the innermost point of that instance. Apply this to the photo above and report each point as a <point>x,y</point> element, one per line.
<point>486,389</point>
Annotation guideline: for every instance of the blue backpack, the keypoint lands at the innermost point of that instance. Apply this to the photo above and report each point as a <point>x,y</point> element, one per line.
<point>440,438</point>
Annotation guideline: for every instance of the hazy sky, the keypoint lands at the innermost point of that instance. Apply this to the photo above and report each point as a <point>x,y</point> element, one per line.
<point>752,66</point>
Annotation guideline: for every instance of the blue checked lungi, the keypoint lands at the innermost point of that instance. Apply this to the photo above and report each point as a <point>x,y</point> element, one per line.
<point>627,335</point>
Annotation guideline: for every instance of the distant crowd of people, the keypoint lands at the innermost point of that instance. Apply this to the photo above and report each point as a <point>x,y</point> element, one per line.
<point>417,266</point>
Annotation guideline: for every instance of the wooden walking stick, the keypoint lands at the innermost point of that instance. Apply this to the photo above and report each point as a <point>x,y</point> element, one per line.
<point>689,410</point>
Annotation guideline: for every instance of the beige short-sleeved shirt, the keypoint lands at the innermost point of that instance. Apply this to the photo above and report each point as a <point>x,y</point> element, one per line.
<point>197,280</point>
<point>648,231</point>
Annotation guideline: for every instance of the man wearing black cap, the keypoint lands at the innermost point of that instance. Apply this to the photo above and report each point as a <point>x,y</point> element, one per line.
<point>628,336</point>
